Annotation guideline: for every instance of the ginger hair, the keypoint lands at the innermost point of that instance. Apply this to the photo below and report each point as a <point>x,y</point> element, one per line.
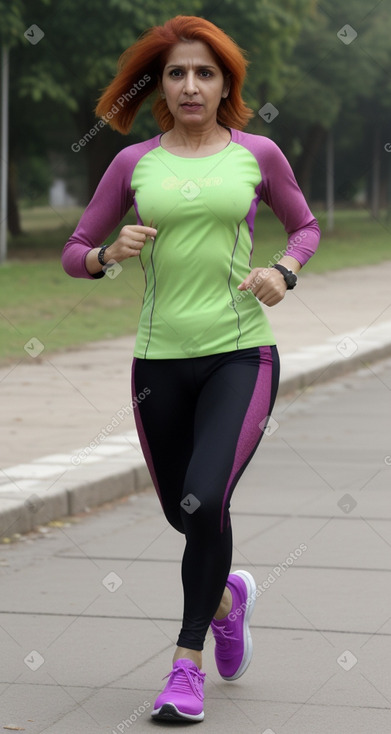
<point>144,61</point>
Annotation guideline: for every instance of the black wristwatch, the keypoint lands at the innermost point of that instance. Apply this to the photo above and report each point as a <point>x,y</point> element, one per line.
<point>289,277</point>
<point>101,255</point>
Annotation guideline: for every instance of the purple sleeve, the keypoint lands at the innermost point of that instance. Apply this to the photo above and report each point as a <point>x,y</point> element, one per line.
<point>280,190</point>
<point>112,199</point>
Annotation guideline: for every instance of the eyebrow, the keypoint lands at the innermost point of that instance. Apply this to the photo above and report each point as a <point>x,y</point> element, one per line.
<point>199,66</point>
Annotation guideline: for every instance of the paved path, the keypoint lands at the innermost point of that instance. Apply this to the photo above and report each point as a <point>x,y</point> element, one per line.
<point>90,609</point>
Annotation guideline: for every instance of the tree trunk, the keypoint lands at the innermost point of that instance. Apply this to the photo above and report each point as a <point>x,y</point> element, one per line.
<point>262,93</point>
<point>375,197</point>
<point>100,152</point>
<point>388,189</point>
<point>14,225</point>
<point>304,165</point>
<point>100,148</point>
<point>330,181</point>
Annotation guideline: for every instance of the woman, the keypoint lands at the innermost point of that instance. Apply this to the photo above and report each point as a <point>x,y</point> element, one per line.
<point>204,346</point>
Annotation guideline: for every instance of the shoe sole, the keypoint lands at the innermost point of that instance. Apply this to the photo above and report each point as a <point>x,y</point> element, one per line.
<point>169,712</point>
<point>247,639</point>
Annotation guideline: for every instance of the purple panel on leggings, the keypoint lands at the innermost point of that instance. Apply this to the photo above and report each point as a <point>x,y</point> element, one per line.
<point>254,421</point>
<point>143,438</point>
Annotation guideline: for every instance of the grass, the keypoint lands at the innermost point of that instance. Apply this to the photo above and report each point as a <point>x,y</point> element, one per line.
<point>37,299</point>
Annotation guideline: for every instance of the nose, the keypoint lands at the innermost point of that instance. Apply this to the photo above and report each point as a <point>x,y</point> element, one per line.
<point>190,83</point>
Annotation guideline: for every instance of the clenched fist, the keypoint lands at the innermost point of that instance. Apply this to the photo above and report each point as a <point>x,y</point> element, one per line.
<point>267,284</point>
<point>129,242</point>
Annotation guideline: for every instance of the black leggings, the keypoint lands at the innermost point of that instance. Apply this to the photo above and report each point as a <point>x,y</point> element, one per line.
<point>199,423</point>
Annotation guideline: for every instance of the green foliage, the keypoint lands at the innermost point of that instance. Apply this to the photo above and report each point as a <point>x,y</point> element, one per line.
<point>268,32</point>
<point>36,176</point>
<point>45,86</point>
<point>74,61</point>
<point>328,75</point>
<point>72,64</point>
<point>11,28</point>
<point>297,62</point>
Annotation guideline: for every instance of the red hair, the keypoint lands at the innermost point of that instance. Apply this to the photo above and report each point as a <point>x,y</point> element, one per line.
<point>140,68</point>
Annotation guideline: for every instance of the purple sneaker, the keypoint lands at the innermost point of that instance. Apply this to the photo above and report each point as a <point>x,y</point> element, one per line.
<point>234,647</point>
<point>183,695</point>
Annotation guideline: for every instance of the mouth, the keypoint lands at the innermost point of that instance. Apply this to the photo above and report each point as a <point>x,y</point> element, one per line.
<point>191,106</point>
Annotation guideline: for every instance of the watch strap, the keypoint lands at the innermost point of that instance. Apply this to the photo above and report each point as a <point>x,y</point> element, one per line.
<point>101,255</point>
<point>289,276</point>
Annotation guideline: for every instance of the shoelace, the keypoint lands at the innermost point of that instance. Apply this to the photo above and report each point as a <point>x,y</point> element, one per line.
<point>223,637</point>
<point>180,683</point>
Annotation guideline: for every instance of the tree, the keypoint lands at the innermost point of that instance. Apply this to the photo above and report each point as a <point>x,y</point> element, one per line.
<point>297,62</point>
<point>10,31</point>
<point>331,83</point>
<point>268,32</point>
<point>70,68</point>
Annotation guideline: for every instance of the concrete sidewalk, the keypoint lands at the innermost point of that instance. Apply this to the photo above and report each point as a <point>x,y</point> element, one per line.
<point>90,610</point>
<point>67,434</point>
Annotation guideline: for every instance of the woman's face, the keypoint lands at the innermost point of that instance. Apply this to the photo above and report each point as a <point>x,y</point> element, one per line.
<point>193,84</point>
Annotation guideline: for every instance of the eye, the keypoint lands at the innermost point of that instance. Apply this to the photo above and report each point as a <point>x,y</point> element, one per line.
<point>178,73</point>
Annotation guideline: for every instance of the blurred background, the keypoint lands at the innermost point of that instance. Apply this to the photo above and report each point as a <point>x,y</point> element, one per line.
<point>319,82</point>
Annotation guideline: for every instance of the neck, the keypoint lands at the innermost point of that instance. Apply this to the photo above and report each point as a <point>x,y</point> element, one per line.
<point>193,138</point>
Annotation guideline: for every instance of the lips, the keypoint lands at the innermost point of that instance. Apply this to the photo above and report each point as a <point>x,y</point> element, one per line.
<point>191,105</point>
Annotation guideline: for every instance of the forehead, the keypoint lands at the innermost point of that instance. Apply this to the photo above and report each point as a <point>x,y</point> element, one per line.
<point>191,53</point>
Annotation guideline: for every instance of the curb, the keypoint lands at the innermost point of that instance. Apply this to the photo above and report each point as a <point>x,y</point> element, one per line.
<point>61,485</point>
<point>339,355</point>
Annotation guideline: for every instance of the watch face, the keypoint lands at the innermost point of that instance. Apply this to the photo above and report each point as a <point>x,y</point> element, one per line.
<point>291,279</point>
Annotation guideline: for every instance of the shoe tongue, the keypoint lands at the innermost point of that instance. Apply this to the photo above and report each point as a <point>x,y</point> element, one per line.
<point>185,663</point>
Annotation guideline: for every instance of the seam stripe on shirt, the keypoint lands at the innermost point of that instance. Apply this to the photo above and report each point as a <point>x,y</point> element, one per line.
<point>229,286</point>
<point>153,300</point>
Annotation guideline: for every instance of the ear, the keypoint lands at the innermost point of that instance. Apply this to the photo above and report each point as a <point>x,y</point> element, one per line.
<point>226,87</point>
<point>160,88</point>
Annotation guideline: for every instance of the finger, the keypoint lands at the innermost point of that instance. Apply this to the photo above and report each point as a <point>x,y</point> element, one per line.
<point>269,298</point>
<point>273,297</point>
<point>247,283</point>
<point>134,245</point>
<point>148,231</point>
<point>143,236</point>
<point>135,237</point>
<point>255,279</point>
<point>273,301</point>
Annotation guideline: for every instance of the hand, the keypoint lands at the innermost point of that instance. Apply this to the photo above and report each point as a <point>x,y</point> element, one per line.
<point>129,242</point>
<point>267,284</point>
